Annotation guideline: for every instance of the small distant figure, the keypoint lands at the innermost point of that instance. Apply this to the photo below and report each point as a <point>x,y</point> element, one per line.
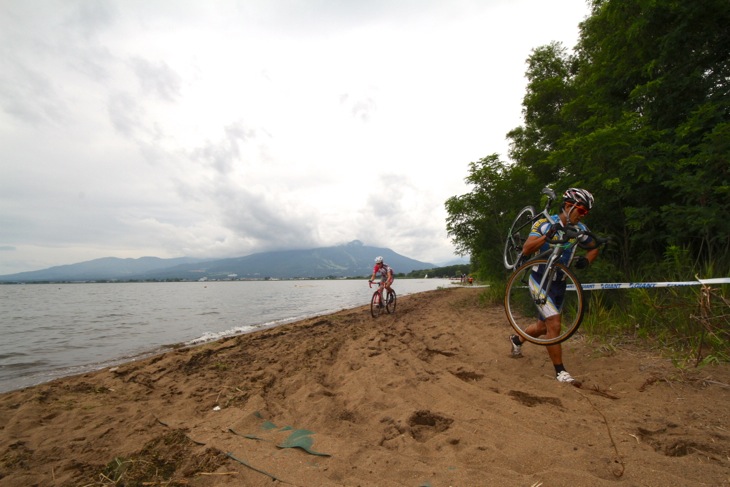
<point>471,281</point>
<point>387,276</point>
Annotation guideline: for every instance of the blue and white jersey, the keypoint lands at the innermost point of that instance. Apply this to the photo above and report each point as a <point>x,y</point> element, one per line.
<point>540,228</point>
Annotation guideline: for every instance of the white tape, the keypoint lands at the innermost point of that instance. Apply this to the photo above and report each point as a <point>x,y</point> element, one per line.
<point>631,285</point>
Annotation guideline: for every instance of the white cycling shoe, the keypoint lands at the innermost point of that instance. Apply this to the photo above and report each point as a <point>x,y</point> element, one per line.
<point>566,378</point>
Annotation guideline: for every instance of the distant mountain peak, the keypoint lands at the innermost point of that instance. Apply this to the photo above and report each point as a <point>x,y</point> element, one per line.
<point>353,259</point>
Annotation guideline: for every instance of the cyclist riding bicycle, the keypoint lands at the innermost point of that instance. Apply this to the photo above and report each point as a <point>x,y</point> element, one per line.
<point>576,205</point>
<point>386,273</point>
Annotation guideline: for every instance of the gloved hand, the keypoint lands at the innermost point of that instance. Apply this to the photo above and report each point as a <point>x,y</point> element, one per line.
<point>572,232</point>
<point>554,228</point>
<point>581,262</point>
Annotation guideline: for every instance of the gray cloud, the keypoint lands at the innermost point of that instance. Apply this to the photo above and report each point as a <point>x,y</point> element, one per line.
<point>90,18</point>
<point>361,108</point>
<point>125,114</point>
<point>29,95</point>
<point>220,129</point>
<point>224,155</point>
<point>262,218</point>
<point>157,79</point>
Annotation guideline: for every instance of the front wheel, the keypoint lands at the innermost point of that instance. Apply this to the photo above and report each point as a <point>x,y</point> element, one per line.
<point>526,301</point>
<point>375,305</point>
<point>518,233</point>
<point>390,302</point>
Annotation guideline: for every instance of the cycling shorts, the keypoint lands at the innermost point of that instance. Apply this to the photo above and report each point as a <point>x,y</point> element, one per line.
<point>556,295</point>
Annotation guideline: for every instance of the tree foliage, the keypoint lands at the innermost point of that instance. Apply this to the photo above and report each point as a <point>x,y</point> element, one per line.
<point>639,114</point>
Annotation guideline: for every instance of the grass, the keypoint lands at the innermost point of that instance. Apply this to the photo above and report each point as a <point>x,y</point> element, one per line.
<point>691,324</point>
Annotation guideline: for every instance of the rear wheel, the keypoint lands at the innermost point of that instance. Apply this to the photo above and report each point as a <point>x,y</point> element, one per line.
<point>525,301</point>
<point>518,233</point>
<point>390,302</point>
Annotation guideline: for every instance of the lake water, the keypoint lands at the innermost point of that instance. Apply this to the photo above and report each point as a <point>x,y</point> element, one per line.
<point>49,331</point>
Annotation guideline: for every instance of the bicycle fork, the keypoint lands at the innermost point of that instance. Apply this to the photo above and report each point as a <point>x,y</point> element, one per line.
<point>540,295</point>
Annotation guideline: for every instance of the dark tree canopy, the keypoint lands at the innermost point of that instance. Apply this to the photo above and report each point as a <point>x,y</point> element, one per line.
<point>639,114</point>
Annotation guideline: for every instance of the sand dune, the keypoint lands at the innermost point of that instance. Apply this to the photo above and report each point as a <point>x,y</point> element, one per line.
<point>428,397</point>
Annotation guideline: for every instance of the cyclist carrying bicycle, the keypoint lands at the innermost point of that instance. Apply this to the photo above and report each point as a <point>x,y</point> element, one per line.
<point>576,205</point>
<point>386,273</point>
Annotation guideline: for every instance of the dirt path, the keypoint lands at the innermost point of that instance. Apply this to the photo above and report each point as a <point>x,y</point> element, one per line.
<point>428,398</point>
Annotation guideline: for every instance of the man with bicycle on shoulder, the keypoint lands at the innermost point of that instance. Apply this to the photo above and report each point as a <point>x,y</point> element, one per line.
<point>576,205</point>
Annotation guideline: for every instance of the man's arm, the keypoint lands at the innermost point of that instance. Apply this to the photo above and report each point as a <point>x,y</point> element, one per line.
<point>533,244</point>
<point>592,254</point>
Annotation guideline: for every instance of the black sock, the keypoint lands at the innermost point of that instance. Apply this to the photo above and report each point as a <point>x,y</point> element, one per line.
<point>559,368</point>
<point>516,340</point>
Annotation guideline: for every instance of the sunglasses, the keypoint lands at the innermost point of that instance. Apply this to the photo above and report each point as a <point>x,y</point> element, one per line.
<point>581,211</point>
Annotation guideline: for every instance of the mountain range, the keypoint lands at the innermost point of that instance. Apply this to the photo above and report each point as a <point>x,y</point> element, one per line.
<point>349,260</point>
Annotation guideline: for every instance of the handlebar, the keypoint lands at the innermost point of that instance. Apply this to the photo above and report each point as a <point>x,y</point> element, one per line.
<point>569,233</point>
<point>572,232</point>
<point>380,284</point>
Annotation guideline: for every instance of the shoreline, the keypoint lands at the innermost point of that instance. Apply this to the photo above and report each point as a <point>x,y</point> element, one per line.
<point>28,366</point>
<point>429,397</point>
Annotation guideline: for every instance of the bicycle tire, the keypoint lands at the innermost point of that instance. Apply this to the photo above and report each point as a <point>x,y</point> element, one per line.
<point>518,233</point>
<point>390,302</point>
<point>522,309</point>
<point>375,308</point>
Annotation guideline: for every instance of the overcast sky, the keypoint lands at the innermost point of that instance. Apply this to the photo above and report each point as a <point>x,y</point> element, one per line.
<point>215,128</point>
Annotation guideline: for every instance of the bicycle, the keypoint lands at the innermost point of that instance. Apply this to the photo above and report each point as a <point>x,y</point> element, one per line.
<point>520,230</point>
<point>525,298</point>
<point>376,302</point>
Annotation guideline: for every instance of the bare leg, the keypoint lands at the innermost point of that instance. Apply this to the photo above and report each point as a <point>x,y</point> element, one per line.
<point>553,329</point>
<point>536,329</point>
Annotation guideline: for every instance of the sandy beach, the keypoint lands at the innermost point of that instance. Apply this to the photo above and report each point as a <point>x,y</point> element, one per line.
<point>427,398</point>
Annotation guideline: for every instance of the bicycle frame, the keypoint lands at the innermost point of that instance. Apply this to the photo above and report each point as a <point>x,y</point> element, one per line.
<point>381,286</point>
<point>545,213</point>
<point>521,226</point>
<point>551,197</point>
<point>553,255</point>
<point>557,248</point>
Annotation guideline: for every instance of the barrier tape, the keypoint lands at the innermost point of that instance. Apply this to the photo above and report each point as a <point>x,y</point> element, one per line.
<point>634,285</point>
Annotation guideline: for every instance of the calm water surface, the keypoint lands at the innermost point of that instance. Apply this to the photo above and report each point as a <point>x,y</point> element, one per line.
<point>54,330</point>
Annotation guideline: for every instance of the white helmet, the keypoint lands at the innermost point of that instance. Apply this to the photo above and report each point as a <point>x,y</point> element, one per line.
<point>579,196</point>
<point>378,260</point>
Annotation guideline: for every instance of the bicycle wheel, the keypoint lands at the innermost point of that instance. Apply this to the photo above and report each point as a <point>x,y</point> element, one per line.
<point>518,233</point>
<point>525,302</point>
<point>375,307</point>
<point>390,302</point>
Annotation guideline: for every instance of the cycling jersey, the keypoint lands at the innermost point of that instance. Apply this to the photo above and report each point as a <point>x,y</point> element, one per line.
<point>540,228</point>
<point>554,301</point>
<point>384,269</point>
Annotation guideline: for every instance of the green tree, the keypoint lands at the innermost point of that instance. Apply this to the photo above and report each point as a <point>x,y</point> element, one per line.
<point>652,83</point>
<point>639,114</point>
<point>477,221</point>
